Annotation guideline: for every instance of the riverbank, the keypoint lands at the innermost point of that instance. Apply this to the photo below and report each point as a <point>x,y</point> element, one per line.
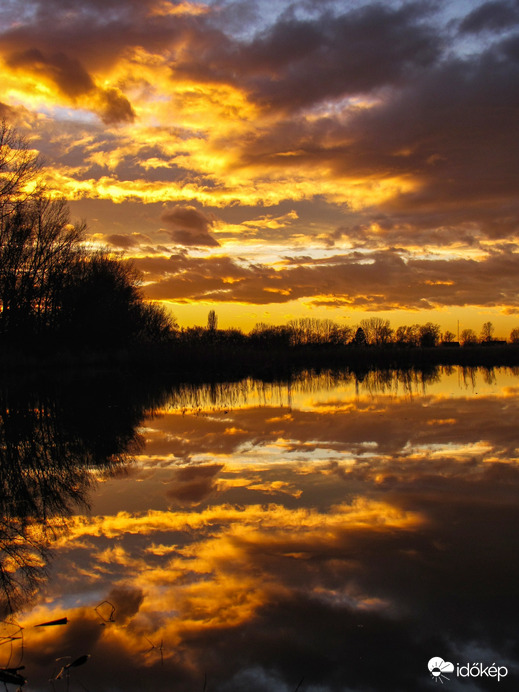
<point>213,361</point>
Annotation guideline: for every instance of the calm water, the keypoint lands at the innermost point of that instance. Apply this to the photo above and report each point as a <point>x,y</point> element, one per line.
<point>328,534</point>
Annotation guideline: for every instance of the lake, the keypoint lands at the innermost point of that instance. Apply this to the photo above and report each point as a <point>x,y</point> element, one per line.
<point>335,532</point>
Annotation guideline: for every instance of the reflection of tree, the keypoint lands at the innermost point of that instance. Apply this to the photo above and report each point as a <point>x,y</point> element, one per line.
<point>224,395</point>
<point>51,447</point>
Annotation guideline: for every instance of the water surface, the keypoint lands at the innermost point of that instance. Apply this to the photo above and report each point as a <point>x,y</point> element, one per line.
<point>334,532</point>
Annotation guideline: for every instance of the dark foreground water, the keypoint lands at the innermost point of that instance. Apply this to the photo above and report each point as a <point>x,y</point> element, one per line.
<point>334,533</point>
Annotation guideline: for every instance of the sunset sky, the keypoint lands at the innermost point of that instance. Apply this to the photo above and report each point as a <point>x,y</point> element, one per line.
<point>271,159</point>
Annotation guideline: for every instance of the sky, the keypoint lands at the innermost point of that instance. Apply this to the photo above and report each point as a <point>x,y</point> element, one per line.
<point>273,160</point>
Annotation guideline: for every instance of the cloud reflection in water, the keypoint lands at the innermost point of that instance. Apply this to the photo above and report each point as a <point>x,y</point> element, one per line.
<point>345,539</point>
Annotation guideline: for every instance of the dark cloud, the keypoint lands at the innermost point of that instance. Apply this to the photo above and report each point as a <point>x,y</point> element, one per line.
<point>67,73</point>
<point>98,32</point>
<point>115,107</point>
<point>375,95</point>
<point>458,126</point>
<point>127,602</point>
<point>189,226</point>
<point>73,81</point>
<point>378,281</point>
<point>491,16</point>
<point>293,63</point>
<point>127,241</point>
<point>298,63</point>
<point>192,484</point>
<point>452,134</point>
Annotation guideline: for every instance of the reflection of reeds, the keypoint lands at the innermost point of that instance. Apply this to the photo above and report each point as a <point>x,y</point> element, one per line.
<point>204,398</point>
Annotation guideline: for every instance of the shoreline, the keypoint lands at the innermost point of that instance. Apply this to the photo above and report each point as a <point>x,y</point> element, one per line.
<point>223,361</point>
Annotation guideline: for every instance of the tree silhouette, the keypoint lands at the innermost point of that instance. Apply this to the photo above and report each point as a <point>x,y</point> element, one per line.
<point>212,321</point>
<point>468,337</point>
<point>310,330</point>
<point>270,336</point>
<point>39,247</point>
<point>102,305</point>
<point>408,335</point>
<point>448,337</point>
<point>51,288</point>
<point>377,331</point>
<point>19,165</point>
<point>487,332</point>
<point>429,335</point>
<point>360,337</point>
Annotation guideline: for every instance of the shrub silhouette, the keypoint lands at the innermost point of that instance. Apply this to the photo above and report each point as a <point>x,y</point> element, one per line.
<point>101,305</point>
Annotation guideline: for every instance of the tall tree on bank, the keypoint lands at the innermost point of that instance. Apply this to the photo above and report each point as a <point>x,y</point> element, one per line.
<point>51,289</point>
<point>38,243</point>
<point>212,321</point>
<point>487,332</point>
<point>19,166</point>
<point>38,249</point>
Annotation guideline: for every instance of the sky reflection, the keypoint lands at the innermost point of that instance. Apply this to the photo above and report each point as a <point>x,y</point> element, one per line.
<point>342,533</point>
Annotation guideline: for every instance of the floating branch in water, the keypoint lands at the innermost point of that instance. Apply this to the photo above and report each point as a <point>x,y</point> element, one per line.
<point>73,664</point>
<point>11,676</point>
<point>78,661</point>
<point>51,623</point>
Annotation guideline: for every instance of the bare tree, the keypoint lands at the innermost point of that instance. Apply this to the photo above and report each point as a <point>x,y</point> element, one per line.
<point>429,335</point>
<point>487,332</point>
<point>448,337</point>
<point>38,247</point>
<point>19,166</point>
<point>378,331</point>
<point>37,239</point>
<point>48,283</point>
<point>468,337</point>
<point>311,330</point>
<point>408,335</point>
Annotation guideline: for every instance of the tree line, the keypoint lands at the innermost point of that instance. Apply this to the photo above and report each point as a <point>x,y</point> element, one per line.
<point>53,290</point>
<point>370,332</point>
